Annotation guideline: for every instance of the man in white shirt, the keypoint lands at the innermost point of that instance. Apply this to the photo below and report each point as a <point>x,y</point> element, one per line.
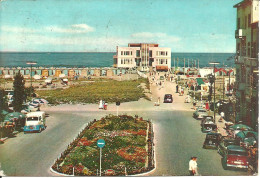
<point>193,166</point>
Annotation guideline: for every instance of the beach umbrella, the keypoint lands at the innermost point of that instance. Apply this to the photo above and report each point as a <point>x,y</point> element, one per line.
<point>3,112</point>
<point>250,141</point>
<point>246,134</point>
<point>240,127</point>
<point>14,115</point>
<point>37,77</point>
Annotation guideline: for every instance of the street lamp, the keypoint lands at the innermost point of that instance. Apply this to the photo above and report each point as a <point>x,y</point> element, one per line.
<point>214,63</point>
<point>31,63</point>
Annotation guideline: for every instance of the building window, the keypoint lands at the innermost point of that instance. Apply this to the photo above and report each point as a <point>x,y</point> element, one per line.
<point>121,61</point>
<point>122,53</point>
<point>166,59</point>
<point>249,20</point>
<point>150,53</point>
<point>137,53</point>
<point>238,23</point>
<point>131,53</point>
<point>166,53</point>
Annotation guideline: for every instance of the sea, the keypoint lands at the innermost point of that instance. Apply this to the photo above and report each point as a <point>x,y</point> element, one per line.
<point>104,59</point>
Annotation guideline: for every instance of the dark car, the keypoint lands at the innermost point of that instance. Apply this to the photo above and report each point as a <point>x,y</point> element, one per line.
<point>168,98</point>
<point>212,140</point>
<point>225,142</point>
<point>206,119</point>
<point>208,126</point>
<point>235,157</point>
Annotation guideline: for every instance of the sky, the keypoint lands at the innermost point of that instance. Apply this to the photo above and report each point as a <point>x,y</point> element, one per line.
<point>101,25</point>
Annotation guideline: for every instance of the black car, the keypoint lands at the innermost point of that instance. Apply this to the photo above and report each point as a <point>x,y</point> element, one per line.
<point>212,140</point>
<point>168,98</point>
<point>225,142</point>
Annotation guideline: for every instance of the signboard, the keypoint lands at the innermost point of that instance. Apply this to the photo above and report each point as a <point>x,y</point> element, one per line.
<point>101,143</point>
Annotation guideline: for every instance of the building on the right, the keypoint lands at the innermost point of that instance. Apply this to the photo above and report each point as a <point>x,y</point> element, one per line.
<point>246,62</point>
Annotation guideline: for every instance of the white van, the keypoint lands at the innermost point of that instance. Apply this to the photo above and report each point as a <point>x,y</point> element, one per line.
<point>35,122</point>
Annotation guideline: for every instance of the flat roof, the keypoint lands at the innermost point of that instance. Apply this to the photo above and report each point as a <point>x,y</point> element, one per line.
<point>241,3</point>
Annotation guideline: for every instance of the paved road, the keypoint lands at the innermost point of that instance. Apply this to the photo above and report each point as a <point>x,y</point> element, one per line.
<point>177,135</point>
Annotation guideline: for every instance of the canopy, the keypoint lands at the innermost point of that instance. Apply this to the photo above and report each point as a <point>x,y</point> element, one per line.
<point>200,81</point>
<point>161,68</point>
<point>240,127</point>
<point>246,134</point>
<point>11,116</point>
<point>37,77</point>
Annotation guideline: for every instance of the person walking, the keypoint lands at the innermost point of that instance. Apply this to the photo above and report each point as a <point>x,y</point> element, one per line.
<point>193,166</point>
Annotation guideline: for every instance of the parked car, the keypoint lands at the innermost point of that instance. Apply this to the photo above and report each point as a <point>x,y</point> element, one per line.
<point>225,142</point>
<point>35,122</point>
<point>200,113</point>
<point>212,140</point>
<point>235,157</point>
<point>206,119</point>
<point>168,98</point>
<point>208,126</point>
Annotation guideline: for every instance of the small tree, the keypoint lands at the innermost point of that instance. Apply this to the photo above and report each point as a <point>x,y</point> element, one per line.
<point>3,106</point>
<point>19,92</point>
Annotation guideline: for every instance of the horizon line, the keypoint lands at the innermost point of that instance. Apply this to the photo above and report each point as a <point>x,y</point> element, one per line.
<point>90,52</point>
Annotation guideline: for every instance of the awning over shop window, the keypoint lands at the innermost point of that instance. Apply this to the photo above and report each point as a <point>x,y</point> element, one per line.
<point>162,68</point>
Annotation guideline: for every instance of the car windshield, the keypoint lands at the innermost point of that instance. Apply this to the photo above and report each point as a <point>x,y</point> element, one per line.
<point>231,142</point>
<point>241,153</point>
<point>32,118</point>
<point>211,137</point>
<point>168,96</point>
<point>202,111</point>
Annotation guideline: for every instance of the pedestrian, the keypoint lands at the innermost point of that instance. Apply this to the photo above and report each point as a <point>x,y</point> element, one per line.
<point>194,105</point>
<point>193,167</point>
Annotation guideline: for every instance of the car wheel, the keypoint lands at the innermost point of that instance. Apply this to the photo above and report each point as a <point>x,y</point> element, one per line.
<point>224,164</point>
<point>40,130</point>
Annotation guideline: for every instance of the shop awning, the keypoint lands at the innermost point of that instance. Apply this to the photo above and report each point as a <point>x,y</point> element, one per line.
<point>162,68</point>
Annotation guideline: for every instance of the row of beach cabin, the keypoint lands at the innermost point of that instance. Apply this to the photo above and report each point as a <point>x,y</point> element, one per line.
<point>68,72</point>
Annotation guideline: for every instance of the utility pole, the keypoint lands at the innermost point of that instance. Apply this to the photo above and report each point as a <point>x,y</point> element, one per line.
<point>184,67</point>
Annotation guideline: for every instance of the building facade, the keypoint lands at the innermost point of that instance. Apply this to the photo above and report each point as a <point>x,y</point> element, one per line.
<point>246,61</point>
<point>142,55</point>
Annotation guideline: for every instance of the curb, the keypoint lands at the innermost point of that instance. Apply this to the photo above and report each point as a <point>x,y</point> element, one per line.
<point>145,173</point>
<point>142,174</point>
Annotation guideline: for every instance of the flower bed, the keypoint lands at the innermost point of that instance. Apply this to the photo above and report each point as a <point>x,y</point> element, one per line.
<point>128,148</point>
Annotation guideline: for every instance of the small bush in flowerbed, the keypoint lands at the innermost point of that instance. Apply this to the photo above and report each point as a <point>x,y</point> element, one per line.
<point>126,142</point>
<point>107,90</point>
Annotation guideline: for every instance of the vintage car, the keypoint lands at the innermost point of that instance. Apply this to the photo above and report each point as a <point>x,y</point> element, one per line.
<point>206,119</point>
<point>208,126</point>
<point>187,99</point>
<point>235,157</point>
<point>35,122</point>
<point>200,113</point>
<point>212,140</point>
<point>168,98</point>
<point>225,142</point>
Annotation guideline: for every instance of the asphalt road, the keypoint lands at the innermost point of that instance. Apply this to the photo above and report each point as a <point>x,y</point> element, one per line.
<point>177,138</point>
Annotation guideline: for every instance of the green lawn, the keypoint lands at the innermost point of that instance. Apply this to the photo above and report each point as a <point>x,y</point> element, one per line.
<point>108,90</point>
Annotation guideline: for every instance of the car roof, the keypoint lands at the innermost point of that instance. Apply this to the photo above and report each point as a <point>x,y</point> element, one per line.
<point>168,94</point>
<point>209,122</point>
<point>235,148</point>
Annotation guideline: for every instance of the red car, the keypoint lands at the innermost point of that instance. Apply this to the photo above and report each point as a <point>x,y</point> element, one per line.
<point>235,157</point>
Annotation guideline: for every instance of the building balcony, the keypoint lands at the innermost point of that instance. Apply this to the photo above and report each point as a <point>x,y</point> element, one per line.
<point>239,60</point>
<point>115,56</point>
<point>239,33</point>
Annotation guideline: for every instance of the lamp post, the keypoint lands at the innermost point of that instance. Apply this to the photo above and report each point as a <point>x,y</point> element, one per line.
<point>31,63</point>
<point>214,63</point>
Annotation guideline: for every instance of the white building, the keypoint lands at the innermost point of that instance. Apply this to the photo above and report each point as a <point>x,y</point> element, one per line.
<point>143,55</point>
